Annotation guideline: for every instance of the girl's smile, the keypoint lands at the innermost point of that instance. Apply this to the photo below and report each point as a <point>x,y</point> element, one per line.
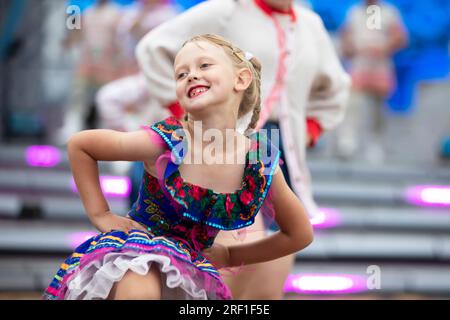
<point>197,90</point>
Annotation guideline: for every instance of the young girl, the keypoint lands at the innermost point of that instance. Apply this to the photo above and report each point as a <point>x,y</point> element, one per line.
<point>164,248</point>
<point>303,91</point>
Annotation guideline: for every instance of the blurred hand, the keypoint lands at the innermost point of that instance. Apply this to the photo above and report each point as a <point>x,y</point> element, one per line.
<point>110,221</point>
<point>219,255</point>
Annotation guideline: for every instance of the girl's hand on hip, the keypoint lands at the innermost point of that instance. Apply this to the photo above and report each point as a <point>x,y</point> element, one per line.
<point>219,255</point>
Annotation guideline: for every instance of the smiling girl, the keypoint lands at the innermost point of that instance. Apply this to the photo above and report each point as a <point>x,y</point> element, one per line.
<point>164,248</point>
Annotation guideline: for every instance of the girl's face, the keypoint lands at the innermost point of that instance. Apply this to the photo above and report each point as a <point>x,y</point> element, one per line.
<point>205,77</point>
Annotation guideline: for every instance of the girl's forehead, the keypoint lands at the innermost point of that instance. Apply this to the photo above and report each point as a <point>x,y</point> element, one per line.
<point>196,49</point>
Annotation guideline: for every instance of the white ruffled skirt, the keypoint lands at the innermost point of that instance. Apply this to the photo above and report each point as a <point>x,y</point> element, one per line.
<point>95,280</point>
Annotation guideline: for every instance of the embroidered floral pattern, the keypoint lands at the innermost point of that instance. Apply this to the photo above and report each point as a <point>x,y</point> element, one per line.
<point>225,211</point>
<point>181,218</point>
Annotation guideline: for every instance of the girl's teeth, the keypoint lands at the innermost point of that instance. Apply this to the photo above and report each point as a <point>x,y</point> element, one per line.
<point>196,92</point>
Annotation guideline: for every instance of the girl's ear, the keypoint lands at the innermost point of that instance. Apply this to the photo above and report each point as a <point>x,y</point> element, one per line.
<point>244,78</point>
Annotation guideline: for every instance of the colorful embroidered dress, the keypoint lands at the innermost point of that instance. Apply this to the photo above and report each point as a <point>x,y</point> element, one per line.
<point>182,219</point>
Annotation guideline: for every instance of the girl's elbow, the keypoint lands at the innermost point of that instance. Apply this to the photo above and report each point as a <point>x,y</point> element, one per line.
<point>72,142</point>
<point>75,143</point>
<point>309,239</point>
<point>304,239</point>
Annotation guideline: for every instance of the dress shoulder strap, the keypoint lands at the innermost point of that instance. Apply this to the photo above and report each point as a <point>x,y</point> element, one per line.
<point>172,133</point>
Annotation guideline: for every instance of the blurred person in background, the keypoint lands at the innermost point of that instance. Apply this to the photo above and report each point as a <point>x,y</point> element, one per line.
<point>304,91</point>
<point>137,21</point>
<point>373,31</point>
<point>123,103</point>
<point>101,60</point>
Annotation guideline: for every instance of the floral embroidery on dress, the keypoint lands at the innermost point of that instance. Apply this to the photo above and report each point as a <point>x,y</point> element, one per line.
<point>181,219</point>
<point>225,211</point>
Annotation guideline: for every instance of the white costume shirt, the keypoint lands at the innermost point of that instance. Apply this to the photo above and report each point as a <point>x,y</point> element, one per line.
<point>312,84</point>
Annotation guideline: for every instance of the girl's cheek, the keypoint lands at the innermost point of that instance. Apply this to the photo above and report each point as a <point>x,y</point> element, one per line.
<point>179,92</point>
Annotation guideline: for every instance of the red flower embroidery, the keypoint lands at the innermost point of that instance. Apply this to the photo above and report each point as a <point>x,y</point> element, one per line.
<point>196,193</point>
<point>251,184</point>
<point>181,193</point>
<point>246,197</point>
<point>228,205</point>
<point>171,121</point>
<point>153,186</point>
<point>194,255</point>
<point>178,182</point>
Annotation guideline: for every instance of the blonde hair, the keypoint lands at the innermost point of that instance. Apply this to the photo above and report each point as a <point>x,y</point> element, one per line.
<point>252,95</point>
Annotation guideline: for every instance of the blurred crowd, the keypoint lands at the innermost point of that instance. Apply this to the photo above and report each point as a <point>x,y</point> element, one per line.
<point>107,41</point>
<point>109,91</point>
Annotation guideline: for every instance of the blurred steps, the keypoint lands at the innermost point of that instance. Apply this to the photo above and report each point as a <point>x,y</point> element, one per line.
<point>375,226</point>
<point>395,277</point>
<point>52,207</point>
<point>42,186</point>
<point>33,273</point>
<point>42,237</point>
<point>334,170</point>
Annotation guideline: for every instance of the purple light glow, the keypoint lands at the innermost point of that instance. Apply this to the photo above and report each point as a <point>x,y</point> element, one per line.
<point>77,238</point>
<point>428,195</point>
<point>111,186</point>
<point>326,218</point>
<point>325,284</point>
<point>42,156</point>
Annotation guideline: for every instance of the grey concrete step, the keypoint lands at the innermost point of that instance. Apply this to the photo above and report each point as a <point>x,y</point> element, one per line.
<point>390,218</point>
<point>333,169</point>
<point>39,180</point>
<point>37,183</point>
<point>353,245</point>
<point>66,207</point>
<point>15,156</point>
<point>34,273</point>
<point>394,278</point>
<point>346,217</point>
<point>43,237</point>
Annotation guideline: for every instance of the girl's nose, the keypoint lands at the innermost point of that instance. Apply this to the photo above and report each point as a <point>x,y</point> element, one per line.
<point>192,77</point>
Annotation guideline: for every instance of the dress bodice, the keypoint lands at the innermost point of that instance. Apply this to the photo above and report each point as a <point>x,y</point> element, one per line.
<point>172,207</point>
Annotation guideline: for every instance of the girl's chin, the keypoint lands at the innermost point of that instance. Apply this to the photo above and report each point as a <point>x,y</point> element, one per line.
<point>195,107</point>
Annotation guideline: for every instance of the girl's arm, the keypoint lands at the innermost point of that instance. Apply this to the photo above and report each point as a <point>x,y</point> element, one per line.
<point>86,148</point>
<point>295,233</point>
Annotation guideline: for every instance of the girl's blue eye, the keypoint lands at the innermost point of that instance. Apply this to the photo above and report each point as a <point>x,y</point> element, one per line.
<point>205,65</point>
<point>181,75</point>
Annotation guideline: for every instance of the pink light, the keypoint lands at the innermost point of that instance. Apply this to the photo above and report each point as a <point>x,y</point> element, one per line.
<point>111,186</point>
<point>428,195</point>
<point>325,284</point>
<point>326,218</point>
<point>77,238</point>
<point>42,156</point>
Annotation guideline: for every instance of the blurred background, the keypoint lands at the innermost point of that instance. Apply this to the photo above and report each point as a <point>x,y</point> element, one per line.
<point>382,178</point>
